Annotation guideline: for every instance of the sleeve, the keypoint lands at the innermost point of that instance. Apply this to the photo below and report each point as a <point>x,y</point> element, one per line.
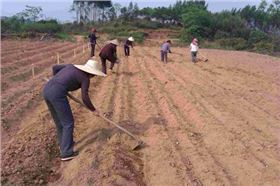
<point>168,48</point>
<point>57,68</point>
<point>85,96</point>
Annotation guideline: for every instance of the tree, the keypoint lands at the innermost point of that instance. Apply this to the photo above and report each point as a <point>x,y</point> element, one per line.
<point>103,5</point>
<point>31,13</point>
<point>197,23</point>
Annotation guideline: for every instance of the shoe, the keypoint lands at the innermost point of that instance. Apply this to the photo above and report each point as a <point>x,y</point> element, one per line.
<point>69,157</point>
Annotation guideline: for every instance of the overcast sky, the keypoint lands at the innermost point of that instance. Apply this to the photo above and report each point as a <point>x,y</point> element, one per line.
<point>59,9</point>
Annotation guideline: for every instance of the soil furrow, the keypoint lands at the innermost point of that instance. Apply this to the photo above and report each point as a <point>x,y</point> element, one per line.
<point>252,153</point>
<point>182,120</point>
<point>185,166</point>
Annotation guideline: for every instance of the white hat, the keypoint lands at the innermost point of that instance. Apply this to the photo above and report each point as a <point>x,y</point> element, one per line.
<point>91,67</point>
<point>115,42</point>
<point>131,39</point>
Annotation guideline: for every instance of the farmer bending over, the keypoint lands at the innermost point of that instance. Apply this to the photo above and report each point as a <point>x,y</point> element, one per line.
<point>194,50</point>
<point>109,52</point>
<point>165,48</point>
<point>68,78</point>
<point>128,42</point>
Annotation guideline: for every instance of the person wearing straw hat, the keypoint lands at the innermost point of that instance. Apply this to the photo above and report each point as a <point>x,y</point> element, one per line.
<point>128,42</point>
<point>68,78</point>
<point>165,48</point>
<point>109,52</point>
<point>194,50</point>
<point>92,39</point>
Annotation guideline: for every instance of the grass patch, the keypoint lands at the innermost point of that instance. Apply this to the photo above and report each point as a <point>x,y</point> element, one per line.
<point>64,36</point>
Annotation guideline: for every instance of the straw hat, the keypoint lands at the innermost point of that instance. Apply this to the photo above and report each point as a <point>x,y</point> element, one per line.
<point>131,39</point>
<point>91,67</point>
<point>115,42</point>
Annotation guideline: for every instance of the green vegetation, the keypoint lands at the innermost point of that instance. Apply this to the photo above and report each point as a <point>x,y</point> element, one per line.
<point>254,28</point>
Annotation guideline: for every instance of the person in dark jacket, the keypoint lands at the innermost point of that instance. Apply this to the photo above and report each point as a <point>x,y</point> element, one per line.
<point>92,39</point>
<point>128,42</point>
<point>68,78</point>
<point>109,52</point>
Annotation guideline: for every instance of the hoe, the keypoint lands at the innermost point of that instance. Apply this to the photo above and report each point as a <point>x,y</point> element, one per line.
<point>138,142</point>
<point>205,58</point>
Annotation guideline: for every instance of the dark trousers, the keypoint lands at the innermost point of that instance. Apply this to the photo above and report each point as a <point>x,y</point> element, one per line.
<point>194,54</point>
<point>92,50</point>
<point>55,96</point>
<point>163,56</point>
<point>103,61</point>
<point>126,50</point>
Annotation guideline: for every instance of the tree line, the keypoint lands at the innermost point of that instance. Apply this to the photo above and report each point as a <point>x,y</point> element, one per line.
<point>252,27</point>
<point>255,28</point>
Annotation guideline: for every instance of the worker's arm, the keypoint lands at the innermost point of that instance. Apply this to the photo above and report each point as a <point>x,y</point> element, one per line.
<point>85,96</point>
<point>57,68</point>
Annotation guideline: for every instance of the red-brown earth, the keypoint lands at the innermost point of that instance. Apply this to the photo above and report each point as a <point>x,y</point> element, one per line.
<point>214,123</point>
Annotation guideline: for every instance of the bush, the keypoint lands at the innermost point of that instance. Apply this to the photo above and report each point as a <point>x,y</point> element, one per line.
<point>10,25</point>
<point>234,43</point>
<point>64,36</point>
<point>147,24</point>
<point>48,27</point>
<point>264,47</point>
<point>221,34</point>
<point>257,36</point>
<point>139,36</point>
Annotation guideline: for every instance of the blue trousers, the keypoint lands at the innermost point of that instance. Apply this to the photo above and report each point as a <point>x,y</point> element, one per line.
<point>163,56</point>
<point>55,96</point>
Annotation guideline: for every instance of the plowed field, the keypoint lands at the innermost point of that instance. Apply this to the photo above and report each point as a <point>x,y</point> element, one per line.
<point>214,123</point>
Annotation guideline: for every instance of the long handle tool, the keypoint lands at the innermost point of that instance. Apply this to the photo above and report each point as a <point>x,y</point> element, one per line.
<point>138,143</point>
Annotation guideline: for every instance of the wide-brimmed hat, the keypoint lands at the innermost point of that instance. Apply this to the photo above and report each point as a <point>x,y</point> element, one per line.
<point>91,67</point>
<point>131,39</point>
<point>115,42</point>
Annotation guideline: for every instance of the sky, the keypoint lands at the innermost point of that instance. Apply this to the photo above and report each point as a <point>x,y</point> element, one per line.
<point>59,9</point>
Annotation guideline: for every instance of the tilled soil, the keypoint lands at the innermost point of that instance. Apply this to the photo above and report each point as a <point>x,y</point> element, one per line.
<point>214,123</point>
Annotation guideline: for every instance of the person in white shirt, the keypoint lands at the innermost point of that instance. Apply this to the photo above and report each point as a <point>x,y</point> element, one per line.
<point>194,50</point>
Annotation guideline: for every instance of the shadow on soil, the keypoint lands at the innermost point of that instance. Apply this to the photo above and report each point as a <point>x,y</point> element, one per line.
<point>103,135</point>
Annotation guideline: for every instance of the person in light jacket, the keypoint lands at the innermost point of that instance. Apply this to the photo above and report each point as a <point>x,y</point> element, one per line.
<point>194,50</point>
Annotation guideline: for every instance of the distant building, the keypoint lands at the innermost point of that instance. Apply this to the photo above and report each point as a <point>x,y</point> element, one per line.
<point>87,11</point>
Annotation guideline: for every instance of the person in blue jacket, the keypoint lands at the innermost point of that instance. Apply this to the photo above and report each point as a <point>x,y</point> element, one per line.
<point>165,48</point>
<point>67,78</point>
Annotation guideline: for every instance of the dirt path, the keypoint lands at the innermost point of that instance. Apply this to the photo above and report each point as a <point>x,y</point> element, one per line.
<point>214,123</point>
